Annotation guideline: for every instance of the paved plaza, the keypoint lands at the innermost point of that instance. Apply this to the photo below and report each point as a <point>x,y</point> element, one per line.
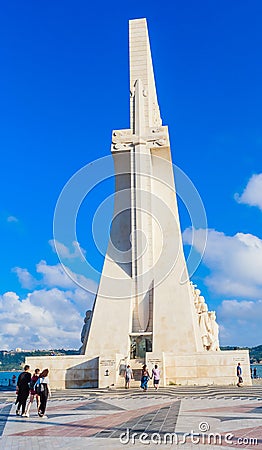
<point>184,417</point>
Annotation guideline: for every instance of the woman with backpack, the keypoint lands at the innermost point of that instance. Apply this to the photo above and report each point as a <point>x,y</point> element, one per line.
<point>42,388</point>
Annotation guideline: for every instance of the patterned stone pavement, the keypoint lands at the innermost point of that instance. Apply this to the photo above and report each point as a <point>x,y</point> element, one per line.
<point>184,417</point>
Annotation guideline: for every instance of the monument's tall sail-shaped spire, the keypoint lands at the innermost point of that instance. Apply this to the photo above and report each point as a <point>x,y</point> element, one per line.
<point>141,67</point>
<point>156,309</point>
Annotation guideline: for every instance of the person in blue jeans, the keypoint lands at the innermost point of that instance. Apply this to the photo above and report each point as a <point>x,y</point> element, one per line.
<point>144,378</point>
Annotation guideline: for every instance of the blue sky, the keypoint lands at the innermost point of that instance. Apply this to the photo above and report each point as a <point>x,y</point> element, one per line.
<point>64,87</point>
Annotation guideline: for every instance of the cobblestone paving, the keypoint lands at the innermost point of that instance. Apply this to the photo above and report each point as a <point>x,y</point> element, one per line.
<point>113,419</point>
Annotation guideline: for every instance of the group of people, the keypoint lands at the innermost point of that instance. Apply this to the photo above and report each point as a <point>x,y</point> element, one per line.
<point>145,377</point>
<point>35,387</point>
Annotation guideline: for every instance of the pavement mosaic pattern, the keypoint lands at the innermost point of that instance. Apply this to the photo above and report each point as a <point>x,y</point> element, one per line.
<point>183,418</point>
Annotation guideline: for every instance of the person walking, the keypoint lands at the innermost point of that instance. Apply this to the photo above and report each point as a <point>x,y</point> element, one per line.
<point>144,377</point>
<point>42,388</point>
<point>33,393</point>
<point>128,376</point>
<point>255,372</point>
<point>22,390</point>
<point>156,377</point>
<point>239,375</point>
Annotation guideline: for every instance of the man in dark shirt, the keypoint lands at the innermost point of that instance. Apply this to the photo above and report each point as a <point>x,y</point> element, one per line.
<point>22,390</point>
<point>239,375</point>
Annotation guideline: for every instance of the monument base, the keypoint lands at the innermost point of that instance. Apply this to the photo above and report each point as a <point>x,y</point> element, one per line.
<point>76,371</point>
<point>202,368</point>
<point>198,369</point>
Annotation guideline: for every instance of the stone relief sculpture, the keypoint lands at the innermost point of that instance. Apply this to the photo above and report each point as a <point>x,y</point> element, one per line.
<point>197,293</point>
<point>204,325</point>
<point>201,304</point>
<point>207,321</point>
<point>214,330</point>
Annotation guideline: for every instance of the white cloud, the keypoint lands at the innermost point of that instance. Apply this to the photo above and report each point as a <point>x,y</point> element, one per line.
<point>235,265</point>
<point>64,252</point>
<point>48,317</point>
<point>80,290</point>
<point>54,276</point>
<point>26,280</point>
<point>81,299</point>
<point>252,194</point>
<point>36,320</point>
<point>241,322</point>
<point>63,277</point>
<point>12,219</point>
<point>241,310</point>
<point>235,262</point>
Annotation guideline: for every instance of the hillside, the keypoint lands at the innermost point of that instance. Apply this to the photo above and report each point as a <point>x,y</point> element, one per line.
<point>255,353</point>
<point>11,360</point>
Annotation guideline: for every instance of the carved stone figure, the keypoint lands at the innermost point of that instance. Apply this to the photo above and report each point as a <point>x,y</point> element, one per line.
<point>86,325</point>
<point>204,324</point>
<point>197,293</point>
<point>214,329</point>
<point>201,304</point>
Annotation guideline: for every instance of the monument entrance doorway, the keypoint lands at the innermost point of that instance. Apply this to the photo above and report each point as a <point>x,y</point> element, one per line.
<point>140,344</point>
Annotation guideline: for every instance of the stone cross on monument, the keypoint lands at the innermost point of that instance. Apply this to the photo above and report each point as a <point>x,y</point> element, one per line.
<point>137,140</point>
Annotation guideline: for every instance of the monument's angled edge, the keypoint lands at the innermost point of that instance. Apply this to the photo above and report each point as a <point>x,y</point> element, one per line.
<point>143,313</point>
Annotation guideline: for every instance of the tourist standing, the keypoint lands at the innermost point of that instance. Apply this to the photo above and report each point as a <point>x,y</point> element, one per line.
<point>128,376</point>
<point>156,377</point>
<point>22,390</point>
<point>239,375</point>
<point>144,377</point>
<point>255,372</point>
<point>33,393</point>
<point>42,388</point>
<point>13,380</point>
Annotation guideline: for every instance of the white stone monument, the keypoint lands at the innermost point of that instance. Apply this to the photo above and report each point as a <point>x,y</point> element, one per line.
<point>146,309</point>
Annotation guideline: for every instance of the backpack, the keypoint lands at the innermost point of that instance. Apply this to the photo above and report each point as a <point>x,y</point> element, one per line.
<point>38,388</point>
<point>31,384</point>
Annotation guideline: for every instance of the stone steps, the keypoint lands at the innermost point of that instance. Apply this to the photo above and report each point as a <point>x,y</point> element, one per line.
<point>233,392</point>
<point>197,392</point>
